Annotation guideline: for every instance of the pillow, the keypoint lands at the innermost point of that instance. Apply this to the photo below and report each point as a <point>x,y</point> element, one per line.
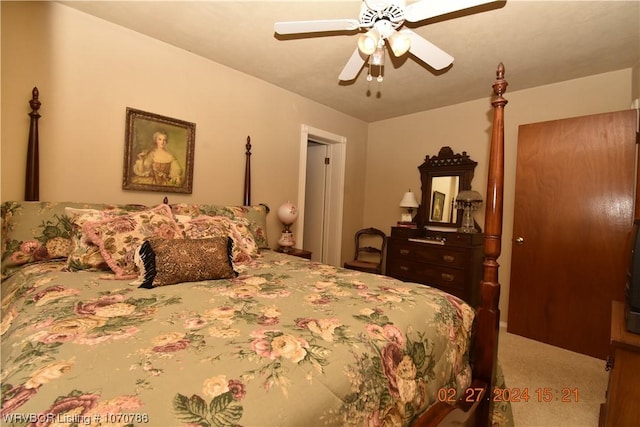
<point>84,254</point>
<point>256,215</point>
<point>35,231</point>
<point>166,262</point>
<point>119,237</point>
<point>244,246</point>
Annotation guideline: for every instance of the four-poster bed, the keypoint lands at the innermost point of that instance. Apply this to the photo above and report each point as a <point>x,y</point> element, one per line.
<point>310,356</point>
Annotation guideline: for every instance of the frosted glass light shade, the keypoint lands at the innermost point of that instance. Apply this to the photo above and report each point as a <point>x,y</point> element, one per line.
<point>400,43</point>
<point>287,213</point>
<point>368,43</point>
<point>469,196</point>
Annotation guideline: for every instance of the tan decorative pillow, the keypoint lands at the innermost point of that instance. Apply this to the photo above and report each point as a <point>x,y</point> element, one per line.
<point>119,237</point>
<point>256,215</point>
<point>167,262</point>
<point>204,226</point>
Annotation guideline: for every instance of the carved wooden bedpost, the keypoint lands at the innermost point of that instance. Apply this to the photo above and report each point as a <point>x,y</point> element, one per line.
<point>247,174</point>
<point>32,178</point>
<point>489,312</point>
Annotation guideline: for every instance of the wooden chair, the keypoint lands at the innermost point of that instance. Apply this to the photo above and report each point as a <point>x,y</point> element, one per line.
<point>368,258</point>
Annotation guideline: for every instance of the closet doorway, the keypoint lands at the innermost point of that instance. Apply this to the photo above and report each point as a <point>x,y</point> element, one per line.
<point>573,215</point>
<point>321,194</point>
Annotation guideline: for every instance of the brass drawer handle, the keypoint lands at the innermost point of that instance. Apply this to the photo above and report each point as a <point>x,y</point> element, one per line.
<point>447,277</point>
<point>405,251</point>
<point>448,258</point>
<point>404,268</point>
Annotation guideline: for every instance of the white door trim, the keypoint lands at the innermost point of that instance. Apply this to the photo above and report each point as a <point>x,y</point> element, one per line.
<point>332,244</point>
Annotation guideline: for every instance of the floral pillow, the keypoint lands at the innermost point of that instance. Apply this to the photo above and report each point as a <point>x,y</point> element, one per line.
<point>256,215</point>
<point>35,231</point>
<point>244,246</point>
<point>119,237</point>
<point>84,254</point>
<point>166,262</point>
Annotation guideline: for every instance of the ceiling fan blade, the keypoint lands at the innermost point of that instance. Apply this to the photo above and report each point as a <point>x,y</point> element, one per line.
<point>427,52</point>
<point>354,65</point>
<point>296,27</point>
<point>425,9</point>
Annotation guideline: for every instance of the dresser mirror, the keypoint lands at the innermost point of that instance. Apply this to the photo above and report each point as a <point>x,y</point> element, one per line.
<point>442,177</point>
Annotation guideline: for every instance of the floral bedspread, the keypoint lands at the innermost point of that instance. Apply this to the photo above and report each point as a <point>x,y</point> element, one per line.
<point>288,342</point>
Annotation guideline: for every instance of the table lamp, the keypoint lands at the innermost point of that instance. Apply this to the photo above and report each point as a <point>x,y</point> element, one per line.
<point>287,214</point>
<point>469,200</point>
<point>409,202</point>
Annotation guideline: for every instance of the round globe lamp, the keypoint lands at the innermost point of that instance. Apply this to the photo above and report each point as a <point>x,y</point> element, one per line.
<point>287,214</point>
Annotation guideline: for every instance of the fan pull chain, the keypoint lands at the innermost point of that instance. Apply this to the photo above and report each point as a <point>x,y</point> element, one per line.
<point>379,77</point>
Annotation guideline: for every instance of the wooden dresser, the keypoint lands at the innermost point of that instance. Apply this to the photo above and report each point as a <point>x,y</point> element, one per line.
<point>449,261</point>
<point>621,408</point>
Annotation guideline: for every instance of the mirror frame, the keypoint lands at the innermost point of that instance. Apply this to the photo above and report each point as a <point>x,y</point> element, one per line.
<point>446,163</point>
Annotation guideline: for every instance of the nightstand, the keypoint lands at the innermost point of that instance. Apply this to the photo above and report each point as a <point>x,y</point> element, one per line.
<point>296,252</point>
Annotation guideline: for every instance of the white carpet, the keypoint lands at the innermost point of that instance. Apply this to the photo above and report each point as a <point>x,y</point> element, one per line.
<point>549,372</point>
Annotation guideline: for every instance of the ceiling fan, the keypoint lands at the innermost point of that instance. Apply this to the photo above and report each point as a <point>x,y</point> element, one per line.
<point>383,20</point>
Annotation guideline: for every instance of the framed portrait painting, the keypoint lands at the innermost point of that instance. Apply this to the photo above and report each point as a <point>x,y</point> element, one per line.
<point>437,206</point>
<point>158,153</point>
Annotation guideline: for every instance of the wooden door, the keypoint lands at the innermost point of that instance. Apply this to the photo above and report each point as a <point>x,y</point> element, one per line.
<point>315,195</point>
<point>573,214</point>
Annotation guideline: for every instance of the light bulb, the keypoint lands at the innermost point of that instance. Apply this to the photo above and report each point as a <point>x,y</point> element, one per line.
<point>400,42</point>
<point>368,42</point>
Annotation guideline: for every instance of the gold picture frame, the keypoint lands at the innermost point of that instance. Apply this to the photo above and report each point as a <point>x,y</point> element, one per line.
<point>158,154</point>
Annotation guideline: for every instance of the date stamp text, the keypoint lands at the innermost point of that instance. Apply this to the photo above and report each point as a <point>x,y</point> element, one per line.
<point>539,394</point>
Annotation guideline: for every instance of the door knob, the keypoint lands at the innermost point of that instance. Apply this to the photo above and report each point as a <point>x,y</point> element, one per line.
<point>520,241</point>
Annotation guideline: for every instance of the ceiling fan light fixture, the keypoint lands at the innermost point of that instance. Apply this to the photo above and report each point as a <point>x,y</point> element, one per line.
<point>400,43</point>
<point>383,20</point>
<point>368,43</point>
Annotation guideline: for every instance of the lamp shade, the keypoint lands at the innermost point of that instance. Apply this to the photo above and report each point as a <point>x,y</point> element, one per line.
<point>287,213</point>
<point>368,43</point>
<point>469,196</point>
<point>400,42</point>
<point>409,200</point>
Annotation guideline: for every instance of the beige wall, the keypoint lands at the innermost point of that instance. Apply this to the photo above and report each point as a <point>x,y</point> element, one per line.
<point>88,71</point>
<point>396,147</point>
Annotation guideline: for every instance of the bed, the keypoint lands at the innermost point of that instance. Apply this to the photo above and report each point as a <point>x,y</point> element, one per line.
<point>110,316</point>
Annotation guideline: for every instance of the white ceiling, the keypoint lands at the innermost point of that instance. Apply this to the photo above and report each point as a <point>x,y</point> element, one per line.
<point>539,42</point>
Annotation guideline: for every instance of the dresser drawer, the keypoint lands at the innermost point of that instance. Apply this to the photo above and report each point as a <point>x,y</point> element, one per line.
<point>448,261</point>
<point>426,252</point>
<point>414,271</point>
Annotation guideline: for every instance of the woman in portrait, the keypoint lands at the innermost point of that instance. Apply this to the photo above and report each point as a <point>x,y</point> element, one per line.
<point>158,166</point>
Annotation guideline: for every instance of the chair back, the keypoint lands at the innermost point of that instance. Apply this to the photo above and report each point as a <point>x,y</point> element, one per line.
<point>370,246</point>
